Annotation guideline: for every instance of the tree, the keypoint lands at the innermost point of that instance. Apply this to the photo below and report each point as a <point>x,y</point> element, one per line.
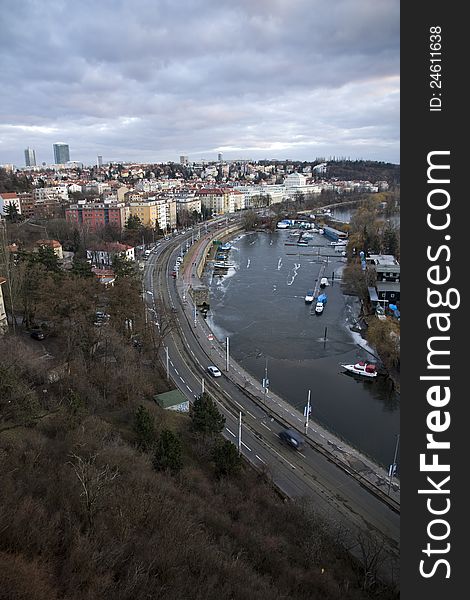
<point>11,213</point>
<point>226,458</point>
<point>144,427</point>
<point>250,220</point>
<point>205,416</point>
<point>133,222</point>
<point>123,267</point>
<point>46,257</point>
<point>93,480</point>
<point>168,453</point>
<point>81,267</point>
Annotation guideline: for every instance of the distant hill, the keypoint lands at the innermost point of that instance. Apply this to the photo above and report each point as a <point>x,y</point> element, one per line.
<point>366,170</point>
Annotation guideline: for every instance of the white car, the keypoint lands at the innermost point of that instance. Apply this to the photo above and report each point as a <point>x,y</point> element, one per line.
<point>324,282</point>
<point>319,308</point>
<point>214,371</point>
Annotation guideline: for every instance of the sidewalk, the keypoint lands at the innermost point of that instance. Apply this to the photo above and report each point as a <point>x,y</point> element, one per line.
<point>348,457</point>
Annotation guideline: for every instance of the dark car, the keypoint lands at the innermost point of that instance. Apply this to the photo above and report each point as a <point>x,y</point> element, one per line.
<point>37,334</point>
<point>291,437</point>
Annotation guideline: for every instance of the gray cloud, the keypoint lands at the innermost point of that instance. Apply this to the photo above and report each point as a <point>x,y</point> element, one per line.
<point>148,80</point>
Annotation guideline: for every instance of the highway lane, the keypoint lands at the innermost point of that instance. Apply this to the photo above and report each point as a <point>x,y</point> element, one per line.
<point>336,495</point>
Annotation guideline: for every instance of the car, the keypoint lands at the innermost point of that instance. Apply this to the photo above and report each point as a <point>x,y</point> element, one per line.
<point>319,308</point>
<point>292,438</point>
<point>214,371</point>
<point>324,282</point>
<point>37,334</point>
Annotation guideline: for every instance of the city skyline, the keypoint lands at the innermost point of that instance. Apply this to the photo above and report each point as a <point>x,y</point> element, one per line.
<point>275,80</point>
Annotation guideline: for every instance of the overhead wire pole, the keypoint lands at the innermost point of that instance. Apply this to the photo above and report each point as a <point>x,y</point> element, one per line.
<point>307,412</point>
<point>167,363</point>
<point>266,381</point>
<point>393,466</point>
<point>227,356</point>
<point>240,433</point>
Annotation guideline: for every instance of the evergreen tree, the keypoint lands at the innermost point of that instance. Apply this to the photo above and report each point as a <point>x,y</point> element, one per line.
<point>226,458</point>
<point>46,257</point>
<point>81,267</point>
<point>122,267</point>
<point>144,428</point>
<point>168,453</point>
<point>11,213</point>
<point>205,415</point>
<point>133,222</point>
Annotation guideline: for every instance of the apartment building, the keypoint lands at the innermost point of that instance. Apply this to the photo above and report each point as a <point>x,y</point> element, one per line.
<point>154,210</point>
<point>222,200</point>
<point>96,215</point>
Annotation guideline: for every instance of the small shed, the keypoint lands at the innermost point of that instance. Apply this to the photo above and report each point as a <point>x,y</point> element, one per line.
<point>173,400</point>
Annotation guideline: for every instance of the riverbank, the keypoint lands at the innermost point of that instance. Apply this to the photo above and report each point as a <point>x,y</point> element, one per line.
<point>248,378</point>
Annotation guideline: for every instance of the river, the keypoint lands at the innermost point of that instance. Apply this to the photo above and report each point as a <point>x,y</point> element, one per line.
<point>260,305</point>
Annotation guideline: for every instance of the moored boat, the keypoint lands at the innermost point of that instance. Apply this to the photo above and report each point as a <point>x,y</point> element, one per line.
<point>363,368</point>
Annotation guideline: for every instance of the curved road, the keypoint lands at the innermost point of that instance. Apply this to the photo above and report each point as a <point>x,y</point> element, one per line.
<point>336,495</point>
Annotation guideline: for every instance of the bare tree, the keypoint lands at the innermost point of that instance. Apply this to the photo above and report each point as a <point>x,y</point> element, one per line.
<point>93,480</point>
<point>372,551</point>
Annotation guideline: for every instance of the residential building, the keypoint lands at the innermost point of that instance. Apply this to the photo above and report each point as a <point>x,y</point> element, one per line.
<point>388,291</point>
<point>102,254</point>
<point>26,204</point>
<point>61,153</point>
<point>57,193</point>
<point>188,202</point>
<point>96,215</point>
<point>154,211</point>
<point>30,157</point>
<point>9,199</point>
<point>222,200</point>
<point>54,244</point>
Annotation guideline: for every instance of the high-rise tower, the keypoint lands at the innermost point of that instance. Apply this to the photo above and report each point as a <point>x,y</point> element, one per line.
<point>61,153</point>
<point>30,157</point>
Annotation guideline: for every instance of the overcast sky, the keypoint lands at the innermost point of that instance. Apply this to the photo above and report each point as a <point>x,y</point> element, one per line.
<point>149,80</point>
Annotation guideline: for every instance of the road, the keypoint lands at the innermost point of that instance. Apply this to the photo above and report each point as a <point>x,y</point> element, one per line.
<point>311,474</point>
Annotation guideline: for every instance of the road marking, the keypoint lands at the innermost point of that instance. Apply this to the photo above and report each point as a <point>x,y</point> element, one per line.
<point>231,432</point>
<point>243,444</point>
<point>239,405</point>
<point>266,426</point>
<point>259,458</point>
<point>182,380</point>
<point>176,371</point>
<point>251,414</point>
<point>280,455</point>
<point>189,388</point>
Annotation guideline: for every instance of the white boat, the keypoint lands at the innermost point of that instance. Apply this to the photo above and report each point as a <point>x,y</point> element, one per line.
<point>309,297</point>
<point>362,368</point>
<point>223,265</point>
<point>339,243</point>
